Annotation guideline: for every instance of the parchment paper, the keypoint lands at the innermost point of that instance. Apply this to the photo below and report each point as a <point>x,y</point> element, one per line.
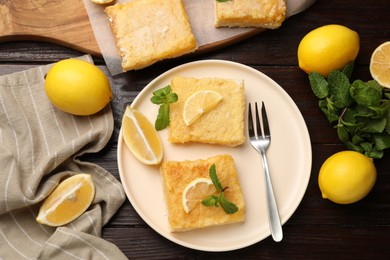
<point>201,17</point>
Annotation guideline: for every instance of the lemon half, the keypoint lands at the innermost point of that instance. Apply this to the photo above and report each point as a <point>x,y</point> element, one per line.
<point>380,64</point>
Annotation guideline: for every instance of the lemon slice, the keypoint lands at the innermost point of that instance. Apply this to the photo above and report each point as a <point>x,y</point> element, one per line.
<point>200,103</point>
<point>380,64</point>
<point>195,192</point>
<point>102,2</point>
<point>68,201</point>
<point>141,138</point>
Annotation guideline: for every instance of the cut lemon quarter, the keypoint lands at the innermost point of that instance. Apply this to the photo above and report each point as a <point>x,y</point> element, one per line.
<point>141,138</point>
<point>198,104</point>
<point>195,192</point>
<point>380,64</point>
<point>68,201</point>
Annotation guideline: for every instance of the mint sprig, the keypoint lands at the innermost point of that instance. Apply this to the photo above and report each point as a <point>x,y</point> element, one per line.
<point>214,200</point>
<point>163,97</point>
<point>360,111</point>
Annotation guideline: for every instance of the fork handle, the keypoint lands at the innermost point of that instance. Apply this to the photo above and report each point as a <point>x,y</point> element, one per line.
<point>273,213</point>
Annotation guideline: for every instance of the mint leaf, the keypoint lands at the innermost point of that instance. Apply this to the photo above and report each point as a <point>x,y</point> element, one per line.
<point>342,133</point>
<point>214,178</point>
<point>382,141</point>
<point>375,154</point>
<point>162,92</point>
<point>227,205</point>
<point>367,94</point>
<point>339,89</point>
<point>162,120</point>
<point>357,139</point>
<point>319,85</point>
<point>348,69</point>
<point>163,97</point>
<point>375,126</point>
<point>387,116</point>
<point>172,98</point>
<point>157,100</point>
<point>329,110</point>
<point>211,201</point>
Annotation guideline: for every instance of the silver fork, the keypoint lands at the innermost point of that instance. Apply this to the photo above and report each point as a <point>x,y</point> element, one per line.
<point>260,140</point>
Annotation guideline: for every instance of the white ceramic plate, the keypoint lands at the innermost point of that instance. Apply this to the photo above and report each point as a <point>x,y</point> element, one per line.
<point>289,159</point>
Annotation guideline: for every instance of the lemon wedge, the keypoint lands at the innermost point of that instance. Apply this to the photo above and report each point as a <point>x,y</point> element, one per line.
<point>141,137</point>
<point>68,201</point>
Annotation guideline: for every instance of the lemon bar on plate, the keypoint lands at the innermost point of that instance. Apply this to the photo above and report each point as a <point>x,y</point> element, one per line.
<point>223,124</point>
<point>176,176</point>
<point>250,13</point>
<point>147,31</point>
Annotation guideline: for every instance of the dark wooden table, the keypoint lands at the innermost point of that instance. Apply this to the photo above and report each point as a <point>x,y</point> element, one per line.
<point>319,229</point>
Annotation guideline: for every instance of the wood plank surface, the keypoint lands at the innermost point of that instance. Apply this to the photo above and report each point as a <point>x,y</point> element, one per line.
<point>319,229</point>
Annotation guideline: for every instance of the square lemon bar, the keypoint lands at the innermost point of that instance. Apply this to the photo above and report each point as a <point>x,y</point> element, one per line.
<point>147,31</point>
<point>223,125</point>
<point>177,175</point>
<point>250,13</point>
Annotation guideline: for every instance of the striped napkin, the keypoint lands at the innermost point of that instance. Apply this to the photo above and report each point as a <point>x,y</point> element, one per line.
<point>39,146</point>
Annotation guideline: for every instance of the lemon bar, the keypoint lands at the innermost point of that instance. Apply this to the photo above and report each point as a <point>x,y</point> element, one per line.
<point>147,31</point>
<point>250,13</point>
<point>177,175</point>
<point>223,125</point>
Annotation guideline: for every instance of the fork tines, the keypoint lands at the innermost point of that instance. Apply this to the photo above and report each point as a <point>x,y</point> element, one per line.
<point>259,130</point>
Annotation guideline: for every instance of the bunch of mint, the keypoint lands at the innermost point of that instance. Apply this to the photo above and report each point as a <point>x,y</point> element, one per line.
<point>360,111</point>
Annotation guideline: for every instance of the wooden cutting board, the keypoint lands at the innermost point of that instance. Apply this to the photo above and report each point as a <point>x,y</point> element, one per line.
<point>66,22</point>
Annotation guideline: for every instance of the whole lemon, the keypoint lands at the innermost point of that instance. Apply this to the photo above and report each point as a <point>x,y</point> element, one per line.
<point>77,87</point>
<point>346,177</point>
<point>328,48</point>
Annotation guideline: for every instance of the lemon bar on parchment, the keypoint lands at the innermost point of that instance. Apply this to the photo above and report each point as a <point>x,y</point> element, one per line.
<point>222,125</point>
<point>250,13</point>
<point>177,175</point>
<point>147,31</point>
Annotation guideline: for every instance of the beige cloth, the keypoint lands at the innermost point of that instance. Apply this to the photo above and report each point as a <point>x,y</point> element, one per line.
<point>39,146</point>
